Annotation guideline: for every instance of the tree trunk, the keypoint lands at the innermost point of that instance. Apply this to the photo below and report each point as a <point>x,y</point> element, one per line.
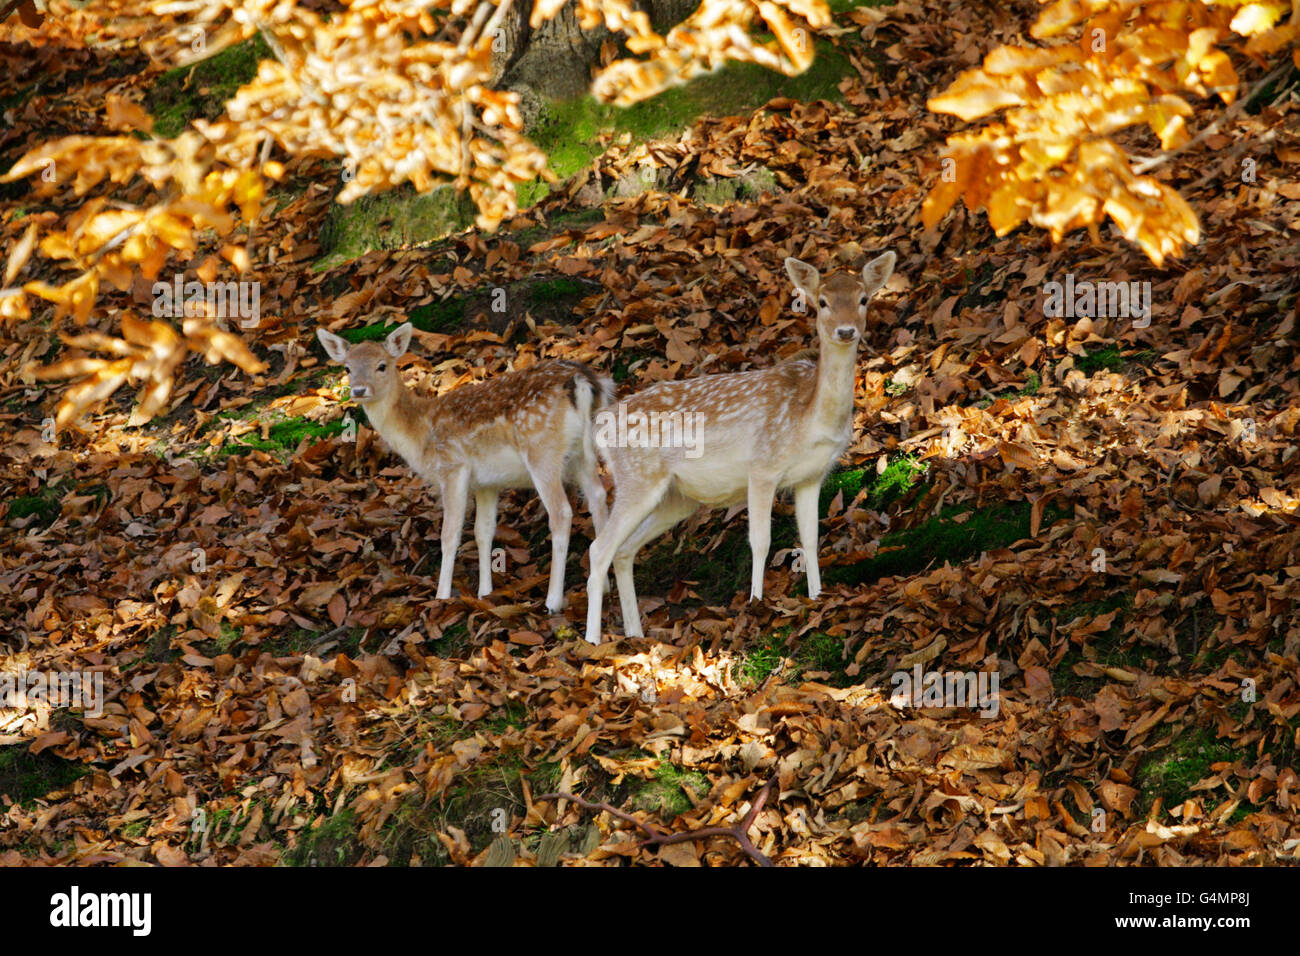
<point>554,62</point>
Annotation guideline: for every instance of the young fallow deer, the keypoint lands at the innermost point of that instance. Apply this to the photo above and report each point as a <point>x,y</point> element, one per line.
<point>526,428</point>
<point>758,432</point>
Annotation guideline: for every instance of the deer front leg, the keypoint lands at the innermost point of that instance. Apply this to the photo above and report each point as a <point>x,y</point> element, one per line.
<point>485,528</point>
<point>805,516</point>
<point>455,498</point>
<point>761,492</point>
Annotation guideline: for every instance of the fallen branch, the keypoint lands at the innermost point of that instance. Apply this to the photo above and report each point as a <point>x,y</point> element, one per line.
<point>655,837</point>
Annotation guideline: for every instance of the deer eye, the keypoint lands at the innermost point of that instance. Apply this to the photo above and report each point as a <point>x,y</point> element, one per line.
<point>823,303</point>
<point>862,301</point>
<point>382,366</point>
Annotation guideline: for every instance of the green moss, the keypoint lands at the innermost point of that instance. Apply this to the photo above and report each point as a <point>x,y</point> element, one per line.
<point>759,662</point>
<point>748,186</point>
<point>301,640</point>
<point>445,316</point>
<point>1171,772</point>
<point>283,437</point>
<point>1109,648</point>
<point>665,794</point>
<point>201,90</point>
<point>717,576</point>
<point>956,534</point>
<point>1033,382</point>
<point>454,642</point>
<point>545,298</point>
<point>1107,357</point>
<point>554,290</point>
<point>513,716</point>
<point>625,361</point>
<point>1110,358</point>
<point>902,473</point>
<point>229,637</point>
<point>570,132</point>
<point>486,793</point>
<point>815,653</point>
<point>333,842</point>
<point>392,219</point>
<point>45,505</point>
<point>25,776</point>
<point>822,653</point>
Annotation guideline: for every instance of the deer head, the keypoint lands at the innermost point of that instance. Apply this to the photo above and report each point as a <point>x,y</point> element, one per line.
<point>372,368</point>
<point>842,300</point>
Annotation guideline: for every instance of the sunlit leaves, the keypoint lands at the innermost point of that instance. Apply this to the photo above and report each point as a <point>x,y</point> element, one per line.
<point>720,30</point>
<point>379,85</point>
<point>149,352</point>
<point>1050,161</point>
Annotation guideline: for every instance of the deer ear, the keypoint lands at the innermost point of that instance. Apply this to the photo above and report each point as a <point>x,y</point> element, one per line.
<point>877,272</point>
<point>399,340</point>
<point>804,276</point>
<point>335,347</point>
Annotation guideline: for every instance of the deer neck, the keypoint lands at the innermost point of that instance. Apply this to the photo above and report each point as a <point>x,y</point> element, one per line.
<point>403,421</point>
<point>832,405</point>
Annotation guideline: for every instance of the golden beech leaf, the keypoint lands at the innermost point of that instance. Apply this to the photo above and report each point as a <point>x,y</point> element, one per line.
<point>1060,16</point>
<point>89,340</point>
<point>974,94</point>
<point>1005,208</point>
<point>1255,18</point>
<point>1006,60</point>
<point>104,228</point>
<point>76,296</point>
<point>18,257</point>
<point>1218,71</point>
<point>1199,43</point>
<point>1067,208</point>
<point>158,337</point>
<point>99,386</point>
<point>817,13</point>
<point>123,114</point>
<point>151,400</point>
<point>69,368</point>
<point>939,200</point>
<point>794,41</point>
<point>217,345</point>
<point>13,305</point>
<point>544,10</point>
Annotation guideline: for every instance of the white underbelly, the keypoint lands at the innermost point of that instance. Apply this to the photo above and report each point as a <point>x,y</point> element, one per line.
<point>499,468</point>
<point>722,482</point>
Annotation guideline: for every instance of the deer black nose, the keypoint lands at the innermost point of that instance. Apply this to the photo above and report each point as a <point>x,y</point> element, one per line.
<point>360,391</point>
<point>846,333</point>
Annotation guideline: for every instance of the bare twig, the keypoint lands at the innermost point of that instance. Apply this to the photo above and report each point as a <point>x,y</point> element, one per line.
<point>1160,159</point>
<point>656,837</point>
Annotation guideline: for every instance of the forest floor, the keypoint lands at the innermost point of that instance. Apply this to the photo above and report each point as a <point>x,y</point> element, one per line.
<point>1102,514</point>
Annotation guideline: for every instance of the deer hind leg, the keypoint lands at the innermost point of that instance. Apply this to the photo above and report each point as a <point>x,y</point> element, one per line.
<point>485,529</point>
<point>761,492</point>
<point>455,499</point>
<point>632,505</point>
<point>548,478</point>
<point>805,514</point>
<point>672,509</point>
<point>593,489</point>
